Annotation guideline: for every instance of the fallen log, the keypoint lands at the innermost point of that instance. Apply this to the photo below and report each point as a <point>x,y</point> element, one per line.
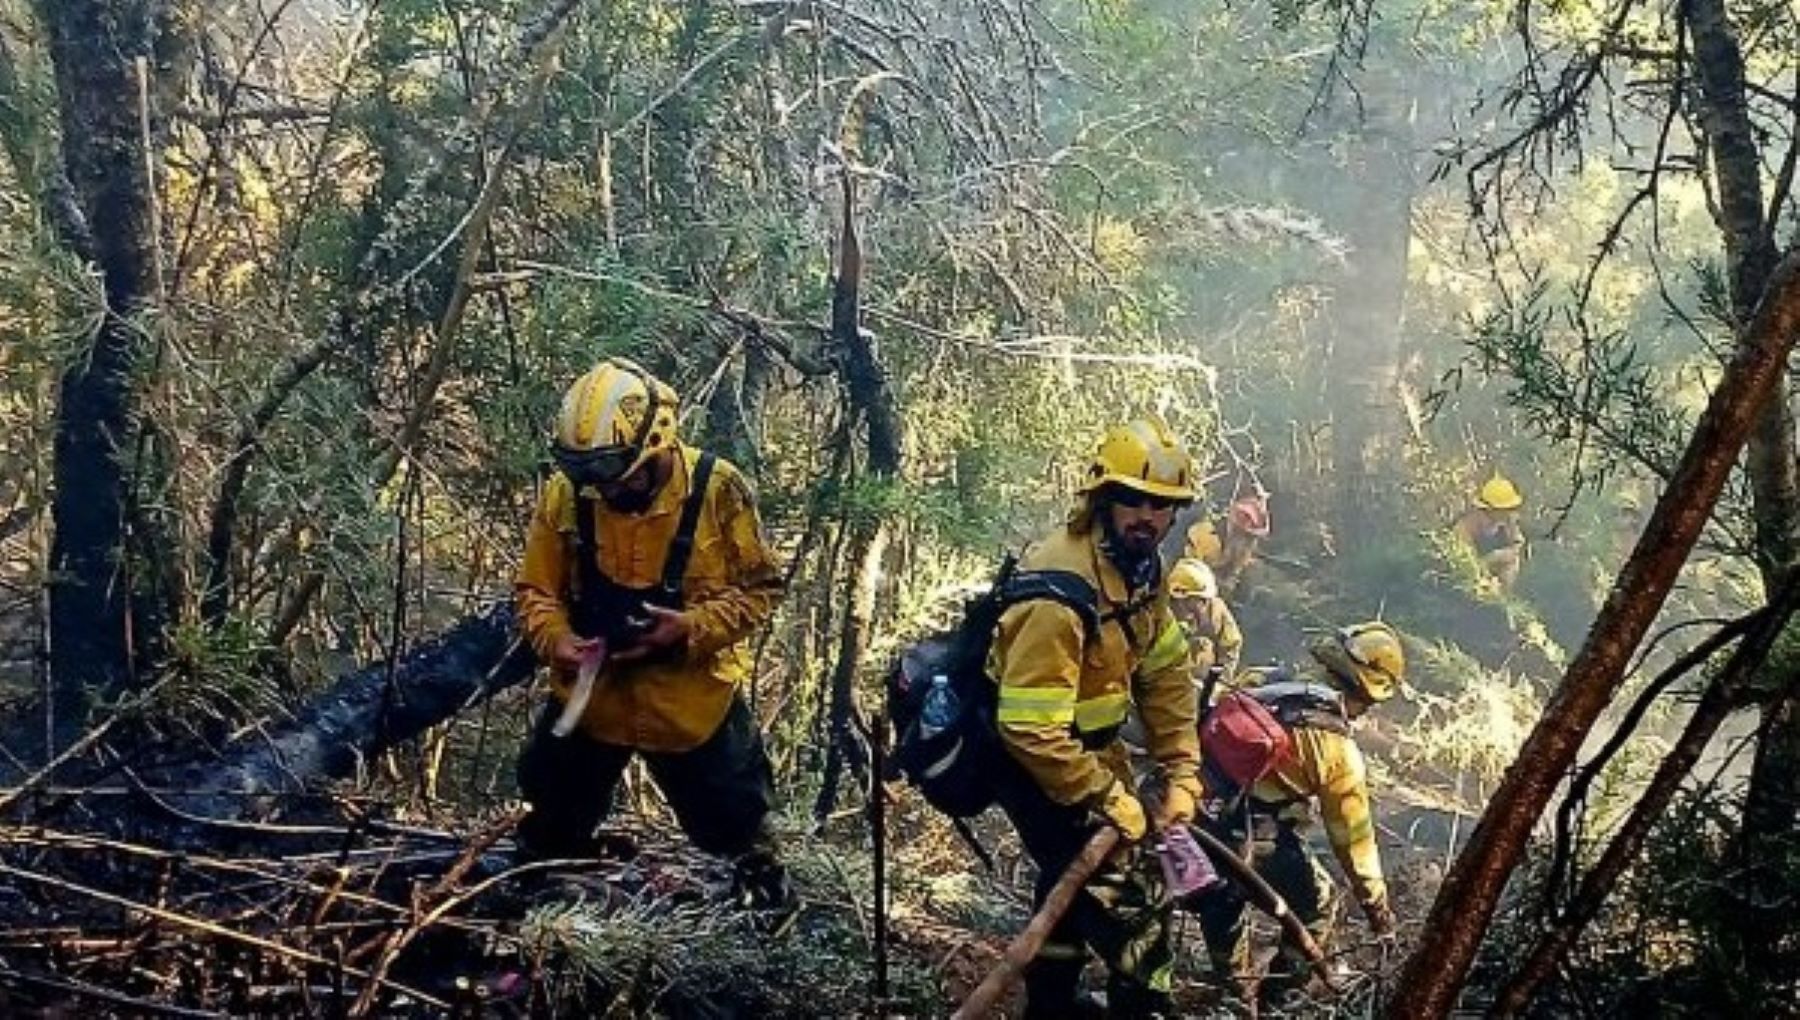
<point>363,714</point>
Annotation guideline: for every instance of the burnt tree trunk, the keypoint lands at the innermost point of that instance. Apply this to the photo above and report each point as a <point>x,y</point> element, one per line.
<point>363,714</point>
<point>1433,975</point>
<point>871,400</point>
<point>734,415</point>
<point>1767,842</point>
<point>102,52</point>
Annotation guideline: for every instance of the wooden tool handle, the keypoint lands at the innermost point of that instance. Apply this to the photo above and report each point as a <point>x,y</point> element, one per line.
<point>1025,947</point>
<point>1268,901</point>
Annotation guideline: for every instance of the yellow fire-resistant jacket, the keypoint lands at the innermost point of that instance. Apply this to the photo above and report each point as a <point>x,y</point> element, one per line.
<point>1057,688</point>
<point>1496,539</point>
<point>1329,768</point>
<point>1213,635</point>
<point>730,589</point>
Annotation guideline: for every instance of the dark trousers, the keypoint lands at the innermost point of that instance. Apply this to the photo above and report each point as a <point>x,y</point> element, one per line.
<point>1280,855</point>
<point>1121,913</point>
<point>721,791</point>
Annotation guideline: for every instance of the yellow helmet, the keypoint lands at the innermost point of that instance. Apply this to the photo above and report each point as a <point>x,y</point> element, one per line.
<point>1190,578</point>
<point>1365,658</point>
<point>1145,456</point>
<point>612,420</point>
<point>1203,543</point>
<point>1497,493</point>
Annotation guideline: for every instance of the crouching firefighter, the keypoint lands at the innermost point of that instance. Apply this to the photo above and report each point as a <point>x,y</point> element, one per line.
<point>1286,738</point>
<point>1065,687</point>
<point>645,570</point>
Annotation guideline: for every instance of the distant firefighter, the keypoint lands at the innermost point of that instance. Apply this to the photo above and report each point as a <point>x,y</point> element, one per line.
<point>1490,527</point>
<point>1246,525</point>
<point>1212,631</point>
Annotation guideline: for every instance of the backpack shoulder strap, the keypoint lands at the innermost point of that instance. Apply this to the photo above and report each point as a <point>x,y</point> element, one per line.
<point>1298,703</point>
<point>682,548</point>
<point>587,559</point>
<point>1064,587</point>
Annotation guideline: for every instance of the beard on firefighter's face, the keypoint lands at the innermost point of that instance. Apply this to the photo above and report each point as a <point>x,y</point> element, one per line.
<point>1136,523</point>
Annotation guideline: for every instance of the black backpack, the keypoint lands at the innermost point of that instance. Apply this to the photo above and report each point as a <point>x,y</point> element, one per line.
<point>950,767</point>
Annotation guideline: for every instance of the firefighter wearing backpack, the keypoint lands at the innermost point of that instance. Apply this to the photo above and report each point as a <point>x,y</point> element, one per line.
<point>1061,700</point>
<point>1230,557</point>
<point>1357,668</point>
<point>1212,631</point>
<point>646,559</point>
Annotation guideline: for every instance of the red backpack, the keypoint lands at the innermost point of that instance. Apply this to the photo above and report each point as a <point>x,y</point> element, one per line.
<point>1243,741</point>
<point>1250,732</point>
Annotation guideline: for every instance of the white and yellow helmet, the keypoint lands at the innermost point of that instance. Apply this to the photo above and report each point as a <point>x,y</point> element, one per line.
<point>1191,578</point>
<point>1366,659</point>
<point>612,420</point>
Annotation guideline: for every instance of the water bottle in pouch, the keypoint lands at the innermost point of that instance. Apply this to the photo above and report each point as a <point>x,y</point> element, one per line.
<point>939,710</point>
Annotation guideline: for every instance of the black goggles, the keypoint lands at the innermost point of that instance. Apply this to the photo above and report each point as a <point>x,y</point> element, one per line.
<point>1141,500</point>
<point>595,467</point>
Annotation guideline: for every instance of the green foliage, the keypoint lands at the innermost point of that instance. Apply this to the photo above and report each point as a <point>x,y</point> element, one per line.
<point>220,680</point>
<point>1571,384</point>
<point>651,955</point>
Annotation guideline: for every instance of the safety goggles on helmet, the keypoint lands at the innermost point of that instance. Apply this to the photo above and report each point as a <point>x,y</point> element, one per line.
<point>603,466</point>
<point>613,419</point>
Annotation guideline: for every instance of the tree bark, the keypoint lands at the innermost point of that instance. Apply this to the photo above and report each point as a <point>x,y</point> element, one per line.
<point>1433,976</point>
<point>95,49</point>
<point>872,400</point>
<point>1722,695</point>
<point>1771,816</point>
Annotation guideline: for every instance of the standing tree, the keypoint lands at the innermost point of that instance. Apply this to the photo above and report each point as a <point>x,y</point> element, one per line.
<point>1698,88</point>
<point>117,65</point>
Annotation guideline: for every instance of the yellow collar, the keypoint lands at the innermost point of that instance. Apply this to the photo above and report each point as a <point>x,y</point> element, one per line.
<point>674,491</point>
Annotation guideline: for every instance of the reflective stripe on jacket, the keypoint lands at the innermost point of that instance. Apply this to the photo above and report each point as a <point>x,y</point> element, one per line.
<point>730,589</point>
<point>1062,696</point>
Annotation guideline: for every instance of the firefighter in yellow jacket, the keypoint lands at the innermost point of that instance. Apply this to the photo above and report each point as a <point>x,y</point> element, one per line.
<point>1230,557</point>
<point>1358,668</point>
<point>645,571</point>
<point>1063,694</point>
<point>1212,630</point>
<point>1490,528</point>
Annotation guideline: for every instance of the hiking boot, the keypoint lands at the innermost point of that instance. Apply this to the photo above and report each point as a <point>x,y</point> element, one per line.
<point>759,884</point>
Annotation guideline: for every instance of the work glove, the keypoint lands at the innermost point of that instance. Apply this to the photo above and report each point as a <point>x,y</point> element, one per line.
<point>1176,807</point>
<point>1124,812</point>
